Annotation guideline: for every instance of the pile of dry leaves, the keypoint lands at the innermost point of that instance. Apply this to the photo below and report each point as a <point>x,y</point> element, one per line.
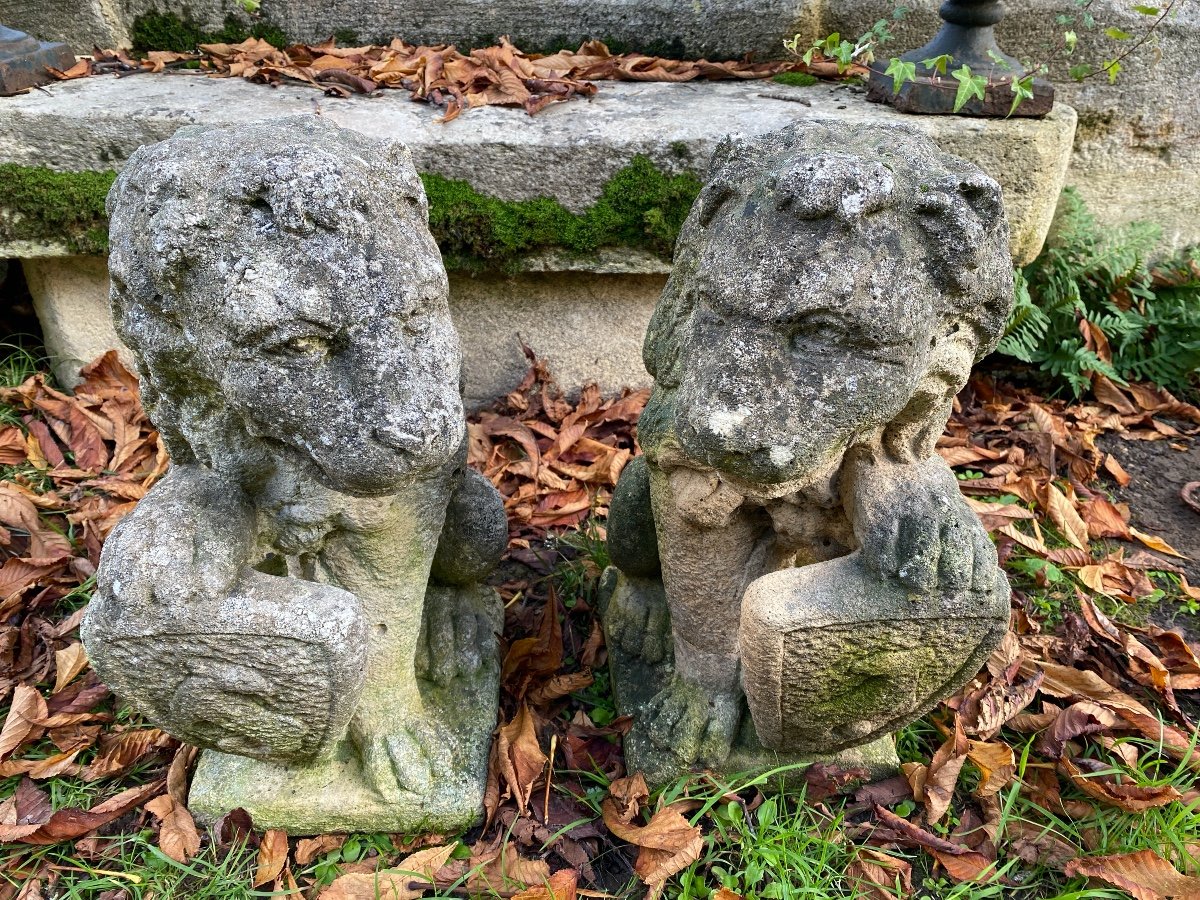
<point>443,75</point>
<point>1060,716</point>
<point>1044,454</point>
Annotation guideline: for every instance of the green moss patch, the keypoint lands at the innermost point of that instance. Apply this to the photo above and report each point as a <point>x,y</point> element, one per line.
<point>167,31</point>
<point>640,207</point>
<point>797,79</point>
<point>55,207</point>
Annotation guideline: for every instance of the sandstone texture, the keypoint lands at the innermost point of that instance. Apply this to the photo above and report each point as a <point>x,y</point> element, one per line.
<point>816,563</point>
<point>70,296</point>
<point>1137,149</point>
<point>1137,154</point>
<point>679,27</point>
<point>271,600</point>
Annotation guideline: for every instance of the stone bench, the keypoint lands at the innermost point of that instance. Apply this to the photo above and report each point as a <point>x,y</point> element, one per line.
<point>585,314</point>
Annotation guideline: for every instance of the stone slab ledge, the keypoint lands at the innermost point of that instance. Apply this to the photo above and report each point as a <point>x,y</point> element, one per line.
<point>568,152</point>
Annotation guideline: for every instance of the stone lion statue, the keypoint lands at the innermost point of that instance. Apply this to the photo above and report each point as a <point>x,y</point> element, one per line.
<point>790,537</point>
<point>302,592</point>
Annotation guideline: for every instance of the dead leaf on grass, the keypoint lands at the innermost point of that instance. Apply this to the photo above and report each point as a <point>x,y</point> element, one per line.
<point>1145,875</point>
<point>177,834</point>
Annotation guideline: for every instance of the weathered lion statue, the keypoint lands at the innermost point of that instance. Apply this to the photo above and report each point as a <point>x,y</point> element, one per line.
<point>790,537</point>
<point>301,593</point>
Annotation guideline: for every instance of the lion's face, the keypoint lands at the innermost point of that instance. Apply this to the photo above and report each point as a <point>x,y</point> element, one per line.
<point>357,371</point>
<point>796,349</point>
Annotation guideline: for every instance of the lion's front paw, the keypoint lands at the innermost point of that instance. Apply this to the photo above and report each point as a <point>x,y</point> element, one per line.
<point>689,724</point>
<point>457,636</point>
<point>403,758</point>
<point>929,539</point>
<point>638,621</point>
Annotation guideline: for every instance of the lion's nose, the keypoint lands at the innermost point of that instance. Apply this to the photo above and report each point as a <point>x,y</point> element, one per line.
<point>402,438</point>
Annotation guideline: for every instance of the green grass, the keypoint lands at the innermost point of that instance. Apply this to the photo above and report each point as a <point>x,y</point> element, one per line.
<point>18,363</point>
<point>133,864</point>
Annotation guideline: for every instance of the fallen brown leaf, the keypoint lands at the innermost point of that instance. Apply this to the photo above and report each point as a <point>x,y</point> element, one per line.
<point>1145,875</point>
<point>272,857</point>
<point>177,834</point>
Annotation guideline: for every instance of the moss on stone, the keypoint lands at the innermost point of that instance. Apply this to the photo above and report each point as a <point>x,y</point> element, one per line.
<point>640,207</point>
<point>168,31</point>
<point>55,207</point>
<point>797,79</point>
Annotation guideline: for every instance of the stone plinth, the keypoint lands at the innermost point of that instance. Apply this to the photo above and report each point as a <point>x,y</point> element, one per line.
<point>567,152</point>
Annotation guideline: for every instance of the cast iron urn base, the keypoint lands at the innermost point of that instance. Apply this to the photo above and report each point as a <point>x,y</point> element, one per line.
<point>23,61</point>
<point>967,36</point>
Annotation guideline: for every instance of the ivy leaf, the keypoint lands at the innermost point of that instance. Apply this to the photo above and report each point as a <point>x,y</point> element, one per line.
<point>1070,39</point>
<point>1117,34</point>
<point>809,56</point>
<point>1148,10</point>
<point>969,86</point>
<point>901,72</point>
<point>998,59</point>
<point>1080,72</point>
<point>1113,68</point>
<point>938,62</point>
<point>832,42</point>
<point>1089,21</point>
<point>844,54</point>
<point>1022,89</point>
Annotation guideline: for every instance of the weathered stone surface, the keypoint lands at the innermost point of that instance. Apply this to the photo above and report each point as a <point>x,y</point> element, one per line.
<point>633,548</point>
<point>475,534</point>
<point>641,664</point>
<point>834,657</point>
<point>70,297</point>
<point>1137,148</point>
<point>271,598</point>
<point>730,28</point>
<point>85,24</point>
<point>567,152</point>
<point>680,27</point>
<point>831,290</point>
<point>585,327</point>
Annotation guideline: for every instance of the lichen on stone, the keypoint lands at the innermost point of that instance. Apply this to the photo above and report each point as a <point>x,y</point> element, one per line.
<point>639,207</point>
<point>168,31</point>
<point>797,79</point>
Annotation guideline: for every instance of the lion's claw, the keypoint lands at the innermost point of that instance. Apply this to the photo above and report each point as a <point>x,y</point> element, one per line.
<point>690,723</point>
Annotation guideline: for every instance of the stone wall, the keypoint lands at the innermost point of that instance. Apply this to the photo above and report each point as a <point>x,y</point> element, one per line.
<point>1137,147</point>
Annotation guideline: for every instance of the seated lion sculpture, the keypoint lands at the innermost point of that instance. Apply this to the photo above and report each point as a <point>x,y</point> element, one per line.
<point>790,542</point>
<point>301,593</point>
